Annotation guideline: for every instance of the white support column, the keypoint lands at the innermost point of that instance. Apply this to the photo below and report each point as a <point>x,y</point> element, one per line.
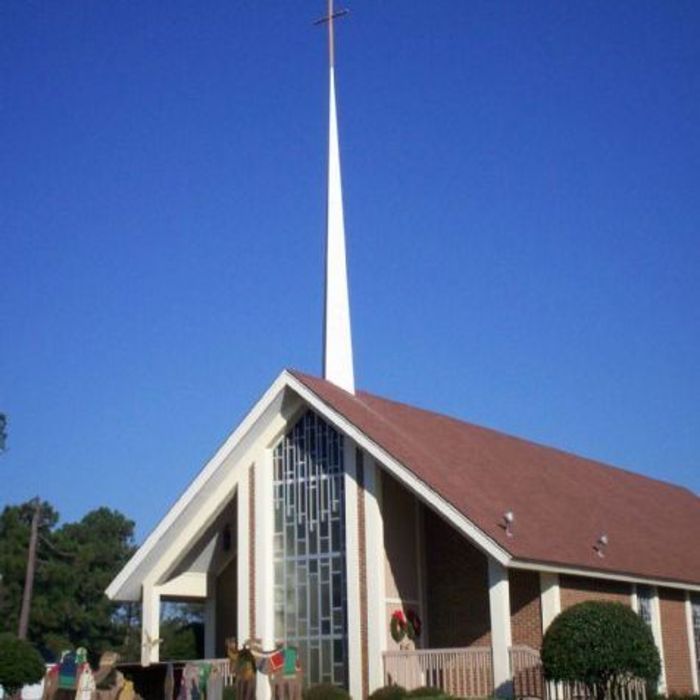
<point>264,571</point>
<point>376,591</point>
<point>550,598</point>
<point>691,641</point>
<point>634,599</point>
<point>352,560</point>
<point>242,562</point>
<point>501,639</point>
<point>210,620</point>
<point>550,606</point>
<point>658,636</point>
<point>150,625</point>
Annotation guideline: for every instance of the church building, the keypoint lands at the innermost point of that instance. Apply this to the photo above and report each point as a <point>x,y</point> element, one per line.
<point>389,543</point>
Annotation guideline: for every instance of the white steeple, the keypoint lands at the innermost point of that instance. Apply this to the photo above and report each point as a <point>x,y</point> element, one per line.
<point>337,337</point>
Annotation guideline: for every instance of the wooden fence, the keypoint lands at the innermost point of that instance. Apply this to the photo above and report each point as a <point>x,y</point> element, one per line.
<point>464,672</point>
<point>529,682</point>
<point>468,673</point>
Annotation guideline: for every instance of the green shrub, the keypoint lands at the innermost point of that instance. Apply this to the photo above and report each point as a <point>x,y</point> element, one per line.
<point>601,645</point>
<point>20,664</point>
<point>229,693</point>
<point>426,692</point>
<point>389,692</point>
<point>325,691</point>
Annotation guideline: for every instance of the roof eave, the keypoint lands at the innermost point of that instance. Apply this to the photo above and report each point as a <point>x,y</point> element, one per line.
<point>627,577</point>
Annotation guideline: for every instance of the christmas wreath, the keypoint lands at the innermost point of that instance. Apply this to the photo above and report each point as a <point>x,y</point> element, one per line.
<point>398,626</point>
<point>414,624</point>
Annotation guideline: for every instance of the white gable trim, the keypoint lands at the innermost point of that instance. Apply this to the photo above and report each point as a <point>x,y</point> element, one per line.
<point>124,584</point>
<point>191,584</point>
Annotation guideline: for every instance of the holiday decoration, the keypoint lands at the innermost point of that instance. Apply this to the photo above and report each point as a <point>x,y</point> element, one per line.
<point>398,626</point>
<point>414,625</point>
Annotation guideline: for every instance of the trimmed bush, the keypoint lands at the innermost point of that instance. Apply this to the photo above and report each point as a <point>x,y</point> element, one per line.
<point>426,692</point>
<point>601,645</point>
<point>20,664</point>
<point>389,692</point>
<point>325,691</point>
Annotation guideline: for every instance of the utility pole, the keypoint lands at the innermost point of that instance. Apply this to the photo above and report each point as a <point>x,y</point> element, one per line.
<point>31,568</point>
<point>3,431</point>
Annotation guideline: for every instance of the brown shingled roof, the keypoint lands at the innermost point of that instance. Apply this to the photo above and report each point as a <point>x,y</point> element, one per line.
<point>562,503</point>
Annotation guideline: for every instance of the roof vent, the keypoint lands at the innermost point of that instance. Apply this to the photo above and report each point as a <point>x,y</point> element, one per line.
<point>600,545</point>
<point>508,520</point>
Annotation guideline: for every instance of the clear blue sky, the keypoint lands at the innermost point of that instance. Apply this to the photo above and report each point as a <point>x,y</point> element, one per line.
<point>522,206</point>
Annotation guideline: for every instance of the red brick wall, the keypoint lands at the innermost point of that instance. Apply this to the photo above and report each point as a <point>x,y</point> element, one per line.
<point>457,587</point>
<point>675,640</point>
<point>525,611</point>
<point>577,589</point>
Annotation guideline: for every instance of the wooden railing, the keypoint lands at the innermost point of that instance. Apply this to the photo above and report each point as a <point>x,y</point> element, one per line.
<point>463,672</point>
<point>529,682</point>
<point>634,689</point>
<point>468,673</point>
<point>224,667</point>
<point>526,670</point>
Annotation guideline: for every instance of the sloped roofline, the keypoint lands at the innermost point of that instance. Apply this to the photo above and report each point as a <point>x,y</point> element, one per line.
<point>287,379</point>
<point>472,531</point>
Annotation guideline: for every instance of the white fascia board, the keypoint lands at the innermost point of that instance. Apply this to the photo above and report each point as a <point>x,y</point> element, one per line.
<point>403,474</point>
<point>116,588</point>
<point>190,584</point>
<point>606,575</point>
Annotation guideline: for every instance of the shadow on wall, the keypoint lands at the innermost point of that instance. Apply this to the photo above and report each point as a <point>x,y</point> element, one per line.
<point>457,587</point>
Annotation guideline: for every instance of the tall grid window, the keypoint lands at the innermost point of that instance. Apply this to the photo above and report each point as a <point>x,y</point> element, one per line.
<point>645,598</point>
<point>309,549</point>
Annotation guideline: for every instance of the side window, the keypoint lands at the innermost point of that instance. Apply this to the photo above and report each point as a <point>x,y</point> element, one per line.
<point>645,599</point>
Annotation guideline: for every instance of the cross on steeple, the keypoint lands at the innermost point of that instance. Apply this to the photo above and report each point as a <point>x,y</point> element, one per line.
<point>328,19</point>
<point>337,337</point>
